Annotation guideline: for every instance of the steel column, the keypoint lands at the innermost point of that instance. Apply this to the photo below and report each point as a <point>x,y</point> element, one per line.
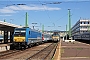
<point>5,36</point>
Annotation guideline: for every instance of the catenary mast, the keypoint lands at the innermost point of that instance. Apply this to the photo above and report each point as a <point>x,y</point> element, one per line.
<point>26,22</point>
<point>69,22</point>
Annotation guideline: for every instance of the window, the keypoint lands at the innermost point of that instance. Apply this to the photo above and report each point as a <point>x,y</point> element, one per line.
<point>81,22</point>
<point>29,32</point>
<point>84,22</point>
<point>88,22</point>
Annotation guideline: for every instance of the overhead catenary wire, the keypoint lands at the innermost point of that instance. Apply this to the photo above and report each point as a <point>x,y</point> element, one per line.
<point>7,5</point>
<point>45,9</point>
<point>61,17</point>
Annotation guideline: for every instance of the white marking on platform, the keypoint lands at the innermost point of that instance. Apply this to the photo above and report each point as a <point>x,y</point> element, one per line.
<point>69,40</point>
<point>4,48</point>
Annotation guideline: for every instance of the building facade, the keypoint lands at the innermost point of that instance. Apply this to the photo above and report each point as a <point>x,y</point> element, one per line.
<point>82,26</point>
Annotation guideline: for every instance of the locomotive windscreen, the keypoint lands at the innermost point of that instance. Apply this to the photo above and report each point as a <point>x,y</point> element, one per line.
<point>20,32</point>
<point>55,34</point>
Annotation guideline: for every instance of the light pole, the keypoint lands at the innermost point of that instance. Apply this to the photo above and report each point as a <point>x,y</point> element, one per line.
<point>34,25</point>
<point>4,20</point>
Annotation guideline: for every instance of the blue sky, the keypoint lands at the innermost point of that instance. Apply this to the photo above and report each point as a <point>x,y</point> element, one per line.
<point>52,16</point>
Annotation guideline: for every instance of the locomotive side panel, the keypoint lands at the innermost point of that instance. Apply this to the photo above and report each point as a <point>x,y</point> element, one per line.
<point>35,36</point>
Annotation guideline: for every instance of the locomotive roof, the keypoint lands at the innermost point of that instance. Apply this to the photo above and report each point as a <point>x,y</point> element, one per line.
<point>28,28</point>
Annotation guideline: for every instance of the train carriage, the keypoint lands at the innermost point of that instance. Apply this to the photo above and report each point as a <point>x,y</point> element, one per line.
<point>84,37</point>
<point>46,37</point>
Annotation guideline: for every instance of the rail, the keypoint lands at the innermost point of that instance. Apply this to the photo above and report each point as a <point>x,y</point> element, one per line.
<point>46,51</point>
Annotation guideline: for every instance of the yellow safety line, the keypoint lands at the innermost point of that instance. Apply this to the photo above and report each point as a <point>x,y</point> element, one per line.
<point>57,55</point>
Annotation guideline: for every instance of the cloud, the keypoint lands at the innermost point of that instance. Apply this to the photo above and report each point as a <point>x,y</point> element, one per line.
<point>14,9</point>
<point>5,15</point>
<point>6,11</point>
<point>24,7</point>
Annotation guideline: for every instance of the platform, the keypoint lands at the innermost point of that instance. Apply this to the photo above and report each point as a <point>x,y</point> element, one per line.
<point>75,51</point>
<point>4,47</point>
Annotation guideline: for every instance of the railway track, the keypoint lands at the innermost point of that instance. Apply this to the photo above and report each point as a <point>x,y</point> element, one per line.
<point>44,54</point>
<point>45,49</point>
<point>10,54</point>
<point>7,53</point>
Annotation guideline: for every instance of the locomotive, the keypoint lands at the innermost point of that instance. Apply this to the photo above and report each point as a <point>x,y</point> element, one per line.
<point>55,37</point>
<point>25,37</point>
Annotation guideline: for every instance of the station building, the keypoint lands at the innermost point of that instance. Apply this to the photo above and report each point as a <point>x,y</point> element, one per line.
<point>81,26</point>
